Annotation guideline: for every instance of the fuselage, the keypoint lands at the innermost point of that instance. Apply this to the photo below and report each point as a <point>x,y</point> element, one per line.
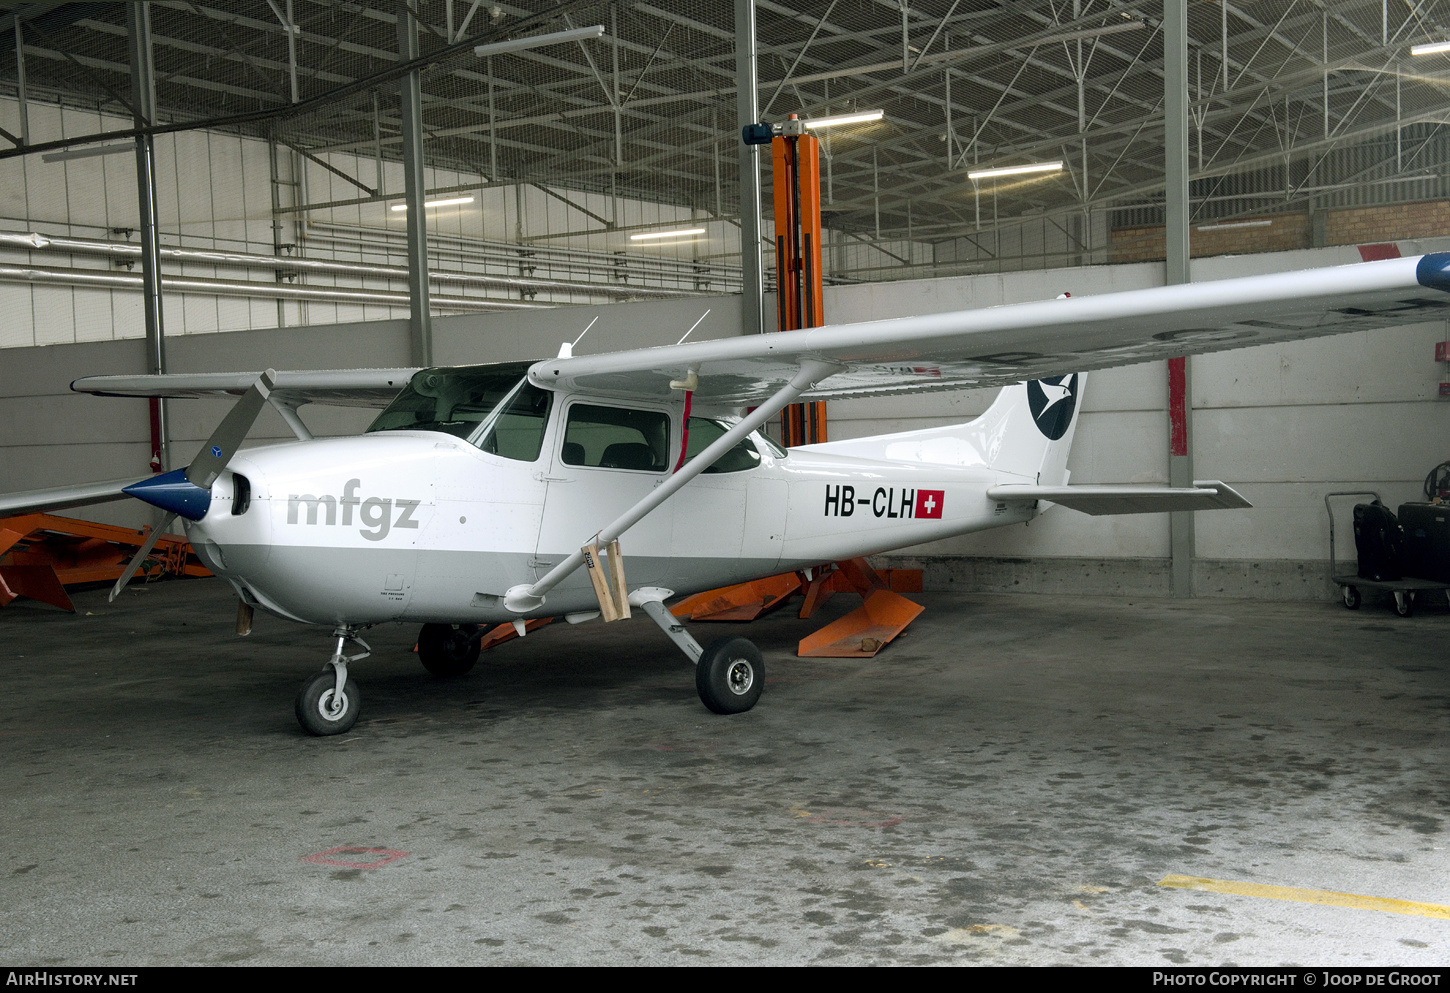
<point>427,526</point>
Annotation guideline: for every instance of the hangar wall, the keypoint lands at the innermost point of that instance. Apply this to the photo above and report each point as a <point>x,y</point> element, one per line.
<point>1284,424</point>
<point>215,192</point>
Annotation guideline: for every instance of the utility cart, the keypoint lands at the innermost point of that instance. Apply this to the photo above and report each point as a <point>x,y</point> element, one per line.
<point>1350,583</point>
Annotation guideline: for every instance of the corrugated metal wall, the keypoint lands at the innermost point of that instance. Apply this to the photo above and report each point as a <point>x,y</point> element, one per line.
<point>215,193</point>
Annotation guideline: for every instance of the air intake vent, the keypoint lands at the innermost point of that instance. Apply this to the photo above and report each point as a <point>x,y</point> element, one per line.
<point>241,494</point>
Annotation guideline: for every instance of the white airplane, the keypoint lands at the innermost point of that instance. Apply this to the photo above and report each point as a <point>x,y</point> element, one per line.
<point>479,492</point>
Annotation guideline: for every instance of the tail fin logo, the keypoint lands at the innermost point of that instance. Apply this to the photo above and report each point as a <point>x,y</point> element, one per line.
<point>1053,402</point>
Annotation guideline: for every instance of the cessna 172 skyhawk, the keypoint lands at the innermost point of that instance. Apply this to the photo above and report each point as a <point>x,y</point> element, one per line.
<point>467,501</point>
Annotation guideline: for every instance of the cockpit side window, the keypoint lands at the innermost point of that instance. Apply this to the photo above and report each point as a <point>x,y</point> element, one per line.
<point>517,432</point>
<point>455,401</point>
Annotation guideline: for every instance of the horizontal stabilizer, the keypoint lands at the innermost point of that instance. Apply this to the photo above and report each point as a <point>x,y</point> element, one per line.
<point>61,497</point>
<point>1204,494</point>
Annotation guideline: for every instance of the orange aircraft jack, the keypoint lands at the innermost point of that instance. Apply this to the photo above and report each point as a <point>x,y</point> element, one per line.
<point>41,554</point>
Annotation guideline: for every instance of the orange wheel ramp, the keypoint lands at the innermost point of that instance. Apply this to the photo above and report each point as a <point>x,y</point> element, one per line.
<point>864,631</point>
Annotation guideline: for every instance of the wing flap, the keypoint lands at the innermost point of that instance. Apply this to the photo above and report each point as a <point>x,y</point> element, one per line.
<point>1204,494</point>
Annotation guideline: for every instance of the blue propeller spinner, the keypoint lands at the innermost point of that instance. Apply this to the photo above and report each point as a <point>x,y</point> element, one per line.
<point>173,492</point>
<point>187,492</point>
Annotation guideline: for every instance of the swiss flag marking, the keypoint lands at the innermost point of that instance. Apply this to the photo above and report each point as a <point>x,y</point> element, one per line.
<point>928,503</point>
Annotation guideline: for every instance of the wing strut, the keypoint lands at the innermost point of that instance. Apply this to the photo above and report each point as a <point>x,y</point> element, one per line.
<point>523,598</point>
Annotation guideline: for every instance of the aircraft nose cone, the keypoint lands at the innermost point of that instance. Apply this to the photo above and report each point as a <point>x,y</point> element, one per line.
<point>172,491</point>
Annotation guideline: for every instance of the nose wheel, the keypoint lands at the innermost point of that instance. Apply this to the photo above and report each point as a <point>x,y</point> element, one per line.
<point>322,710</point>
<point>330,702</point>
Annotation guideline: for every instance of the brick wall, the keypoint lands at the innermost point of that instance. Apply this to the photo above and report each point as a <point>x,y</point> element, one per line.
<point>1346,226</point>
<point>1362,225</point>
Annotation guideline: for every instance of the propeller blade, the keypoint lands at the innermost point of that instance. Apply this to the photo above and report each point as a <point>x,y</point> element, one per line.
<point>140,556</point>
<point>228,436</point>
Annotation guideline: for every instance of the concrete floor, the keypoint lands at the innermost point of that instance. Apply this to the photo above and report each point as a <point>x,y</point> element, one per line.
<point>1006,784</point>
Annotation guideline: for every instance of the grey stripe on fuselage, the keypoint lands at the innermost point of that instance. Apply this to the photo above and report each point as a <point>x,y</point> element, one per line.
<point>328,585</point>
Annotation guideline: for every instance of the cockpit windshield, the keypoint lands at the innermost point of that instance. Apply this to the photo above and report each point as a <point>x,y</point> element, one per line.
<point>492,406</point>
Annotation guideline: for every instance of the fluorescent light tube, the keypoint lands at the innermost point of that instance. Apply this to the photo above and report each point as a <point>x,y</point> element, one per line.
<point>861,118</point>
<point>451,201</point>
<point>539,40</point>
<point>86,152</point>
<point>651,235</point>
<point>1234,224</point>
<point>1016,170</point>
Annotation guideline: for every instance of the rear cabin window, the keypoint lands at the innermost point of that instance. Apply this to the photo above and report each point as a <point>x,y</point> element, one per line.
<point>704,432</point>
<point>616,438</point>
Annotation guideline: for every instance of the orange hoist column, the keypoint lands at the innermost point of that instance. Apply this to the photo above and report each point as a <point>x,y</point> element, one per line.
<point>797,171</point>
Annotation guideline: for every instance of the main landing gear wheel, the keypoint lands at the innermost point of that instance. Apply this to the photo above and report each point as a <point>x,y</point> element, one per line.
<point>730,676</point>
<point>1351,597</point>
<point>321,711</point>
<point>448,649</point>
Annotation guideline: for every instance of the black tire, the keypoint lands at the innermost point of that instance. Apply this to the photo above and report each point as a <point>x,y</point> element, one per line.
<point>1351,597</point>
<point>1405,604</point>
<point>730,676</point>
<point>448,650</point>
<point>314,703</point>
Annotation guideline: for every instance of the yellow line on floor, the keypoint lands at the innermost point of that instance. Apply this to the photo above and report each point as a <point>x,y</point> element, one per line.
<point>1326,897</point>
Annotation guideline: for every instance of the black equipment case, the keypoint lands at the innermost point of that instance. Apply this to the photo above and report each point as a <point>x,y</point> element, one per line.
<point>1427,540</point>
<point>1379,542</point>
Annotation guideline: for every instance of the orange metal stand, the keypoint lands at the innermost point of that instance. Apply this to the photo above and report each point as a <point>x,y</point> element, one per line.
<point>797,169</point>
<point>41,554</point>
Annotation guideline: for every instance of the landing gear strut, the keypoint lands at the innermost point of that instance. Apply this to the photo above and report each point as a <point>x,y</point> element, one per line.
<point>329,702</point>
<point>729,675</point>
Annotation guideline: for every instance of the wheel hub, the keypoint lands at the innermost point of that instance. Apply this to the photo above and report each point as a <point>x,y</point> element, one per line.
<point>332,705</point>
<point>741,677</point>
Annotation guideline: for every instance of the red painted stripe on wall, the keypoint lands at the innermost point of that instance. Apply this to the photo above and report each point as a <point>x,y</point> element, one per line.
<point>1373,253</point>
<point>1177,407</point>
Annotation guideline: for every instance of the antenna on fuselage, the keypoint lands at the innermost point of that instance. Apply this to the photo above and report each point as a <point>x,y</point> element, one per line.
<point>566,349</point>
<point>693,327</point>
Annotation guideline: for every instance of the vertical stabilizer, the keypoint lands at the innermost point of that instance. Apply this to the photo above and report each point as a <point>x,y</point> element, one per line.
<point>1032,425</point>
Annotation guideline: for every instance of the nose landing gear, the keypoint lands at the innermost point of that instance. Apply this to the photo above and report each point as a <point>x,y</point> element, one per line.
<point>329,702</point>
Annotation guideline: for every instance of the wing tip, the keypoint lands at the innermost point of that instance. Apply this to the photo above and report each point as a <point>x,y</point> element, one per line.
<point>1433,270</point>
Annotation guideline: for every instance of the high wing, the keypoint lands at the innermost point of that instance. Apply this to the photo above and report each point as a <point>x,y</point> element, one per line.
<point>992,346</point>
<point>997,346</point>
<point>337,387</point>
<point>63,497</point>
